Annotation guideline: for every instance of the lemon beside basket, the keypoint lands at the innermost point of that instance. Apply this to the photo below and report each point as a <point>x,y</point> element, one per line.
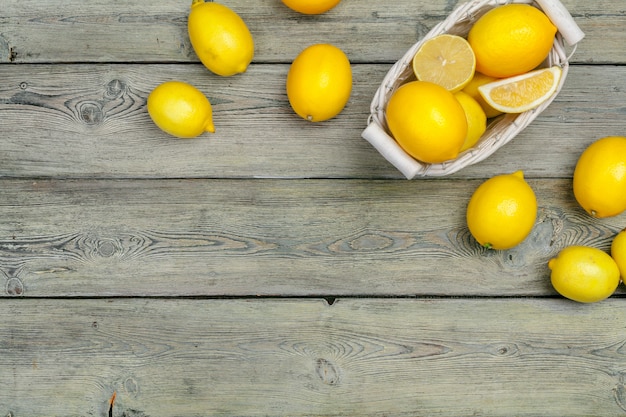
<point>503,128</point>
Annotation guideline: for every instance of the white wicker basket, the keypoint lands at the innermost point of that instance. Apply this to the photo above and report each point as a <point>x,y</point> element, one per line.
<point>499,131</point>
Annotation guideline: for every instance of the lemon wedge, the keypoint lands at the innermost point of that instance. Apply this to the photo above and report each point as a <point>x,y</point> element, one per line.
<point>522,92</point>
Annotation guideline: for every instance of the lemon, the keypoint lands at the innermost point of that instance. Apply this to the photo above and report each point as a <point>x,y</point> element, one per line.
<point>618,252</point>
<point>319,82</point>
<point>584,274</point>
<point>502,211</point>
<point>476,119</point>
<point>511,39</point>
<point>180,109</point>
<point>600,177</point>
<point>472,89</point>
<point>311,6</point>
<point>427,121</point>
<point>447,60</point>
<point>522,92</point>
<point>220,38</point>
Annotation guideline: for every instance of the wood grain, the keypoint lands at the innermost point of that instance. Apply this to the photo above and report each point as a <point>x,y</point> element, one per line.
<point>96,118</point>
<point>440,357</point>
<point>147,31</point>
<point>270,237</point>
<point>278,267</point>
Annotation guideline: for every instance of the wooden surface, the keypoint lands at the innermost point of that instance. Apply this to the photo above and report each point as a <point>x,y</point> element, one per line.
<point>278,267</point>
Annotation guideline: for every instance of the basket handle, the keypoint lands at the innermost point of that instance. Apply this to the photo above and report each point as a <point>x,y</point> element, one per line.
<point>563,20</point>
<point>389,148</point>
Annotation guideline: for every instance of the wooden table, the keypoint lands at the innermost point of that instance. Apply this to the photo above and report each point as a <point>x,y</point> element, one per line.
<point>278,267</point>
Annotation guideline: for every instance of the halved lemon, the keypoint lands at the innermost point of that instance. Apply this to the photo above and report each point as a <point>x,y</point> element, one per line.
<point>522,92</point>
<point>447,60</point>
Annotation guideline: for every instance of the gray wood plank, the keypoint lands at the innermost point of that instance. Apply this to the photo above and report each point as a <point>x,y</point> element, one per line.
<point>90,121</point>
<point>147,31</point>
<point>273,237</point>
<point>454,357</point>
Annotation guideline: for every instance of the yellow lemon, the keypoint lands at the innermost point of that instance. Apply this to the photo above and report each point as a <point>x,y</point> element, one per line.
<point>476,119</point>
<point>311,6</point>
<point>522,92</point>
<point>180,109</point>
<point>472,89</point>
<point>220,38</point>
<point>600,177</point>
<point>584,274</point>
<point>427,121</point>
<point>319,82</point>
<point>618,252</point>
<point>447,60</point>
<point>502,211</point>
<point>511,39</point>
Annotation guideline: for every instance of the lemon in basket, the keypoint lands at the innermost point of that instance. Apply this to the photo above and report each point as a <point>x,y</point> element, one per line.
<point>522,92</point>
<point>618,252</point>
<point>502,211</point>
<point>584,274</point>
<point>600,177</point>
<point>476,119</point>
<point>319,82</point>
<point>472,89</point>
<point>511,39</point>
<point>447,60</point>
<point>220,38</point>
<point>180,109</point>
<point>427,121</point>
<point>311,6</point>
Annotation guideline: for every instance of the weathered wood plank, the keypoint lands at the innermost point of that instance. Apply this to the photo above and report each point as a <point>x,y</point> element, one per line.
<point>91,121</point>
<point>507,357</point>
<point>148,31</point>
<point>273,237</point>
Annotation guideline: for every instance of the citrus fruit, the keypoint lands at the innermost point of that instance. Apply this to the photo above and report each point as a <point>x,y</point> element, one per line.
<point>220,38</point>
<point>502,211</point>
<point>522,92</point>
<point>447,60</point>
<point>427,121</point>
<point>472,89</point>
<point>476,119</point>
<point>600,177</point>
<point>584,274</point>
<point>311,6</point>
<point>180,109</point>
<point>618,252</point>
<point>319,82</point>
<point>511,39</point>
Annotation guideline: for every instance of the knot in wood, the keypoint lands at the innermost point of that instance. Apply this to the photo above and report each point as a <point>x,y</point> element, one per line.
<point>114,89</point>
<point>106,248</point>
<point>15,287</point>
<point>91,113</point>
<point>327,371</point>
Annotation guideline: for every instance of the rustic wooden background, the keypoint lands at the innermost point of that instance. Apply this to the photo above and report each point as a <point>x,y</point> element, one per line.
<point>277,267</point>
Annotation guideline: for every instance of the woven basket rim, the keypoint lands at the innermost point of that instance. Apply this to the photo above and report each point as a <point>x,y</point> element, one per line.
<point>499,132</point>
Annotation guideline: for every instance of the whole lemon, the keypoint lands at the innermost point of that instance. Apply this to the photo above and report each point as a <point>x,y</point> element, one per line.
<point>600,177</point>
<point>584,274</point>
<point>427,121</point>
<point>311,6</point>
<point>472,89</point>
<point>220,38</point>
<point>319,82</point>
<point>180,109</point>
<point>476,119</point>
<point>511,39</point>
<point>502,211</point>
<point>618,252</point>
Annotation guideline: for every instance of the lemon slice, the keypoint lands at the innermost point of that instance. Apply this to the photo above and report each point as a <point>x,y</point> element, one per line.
<point>522,92</point>
<point>447,60</point>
